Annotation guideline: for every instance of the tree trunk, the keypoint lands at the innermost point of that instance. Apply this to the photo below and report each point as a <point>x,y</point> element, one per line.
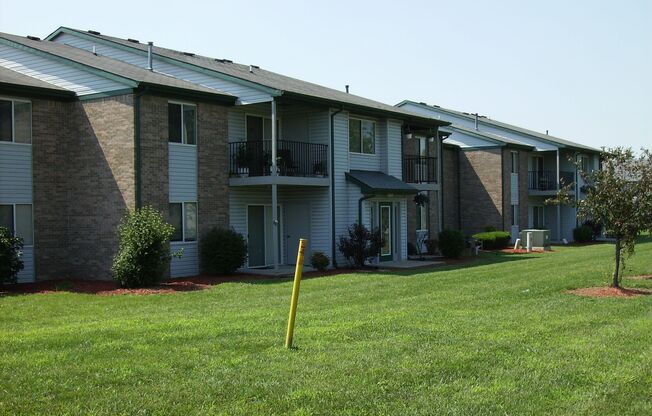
<point>616,280</point>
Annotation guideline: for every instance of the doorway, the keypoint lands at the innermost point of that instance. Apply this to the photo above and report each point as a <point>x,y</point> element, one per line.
<point>386,226</point>
<point>260,238</point>
<point>297,227</point>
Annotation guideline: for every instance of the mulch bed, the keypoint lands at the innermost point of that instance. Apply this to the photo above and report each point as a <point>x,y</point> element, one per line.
<point>609,292</point>
<point>642,277</point>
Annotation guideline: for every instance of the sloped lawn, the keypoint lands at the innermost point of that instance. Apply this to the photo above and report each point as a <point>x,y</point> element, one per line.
<point>497,336</point>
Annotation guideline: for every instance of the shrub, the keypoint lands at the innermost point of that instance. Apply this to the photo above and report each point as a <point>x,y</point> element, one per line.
<point>493,240</point>
<point>10,252</point>
<point>583,234</point>
<point>451,243</point>
<point>319,261</point>
<point>431,246</point>
<point>596,228</point>
<point>411,248</point>
<point>144,252</point>
<point>223,251</point>
<point>361,244</point>
<point>489,228</point>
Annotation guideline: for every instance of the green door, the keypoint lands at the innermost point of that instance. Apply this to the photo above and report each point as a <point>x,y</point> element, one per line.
<point>386,230</point>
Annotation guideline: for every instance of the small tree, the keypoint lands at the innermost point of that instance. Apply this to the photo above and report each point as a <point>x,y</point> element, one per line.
<point>144,253</point>
<point>361,245</point>
<point>619,196</point>
<point>10,252</point>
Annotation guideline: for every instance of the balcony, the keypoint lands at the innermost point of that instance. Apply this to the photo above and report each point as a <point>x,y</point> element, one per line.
<point>419,169</point>
<point>296,161</point>
<point>545,180</point>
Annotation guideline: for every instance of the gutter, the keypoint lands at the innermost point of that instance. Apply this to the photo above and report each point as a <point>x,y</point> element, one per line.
<point>363,198</point>
<point>333,254</point>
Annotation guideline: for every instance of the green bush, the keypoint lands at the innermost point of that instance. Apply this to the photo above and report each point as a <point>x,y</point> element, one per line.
<point>361,245</point>
<point>431,246</point>
<point>493,240</point>
<point>223,251</point>
<point>451,243</point>
<point>10,252</point>
<point>583,234</point>
<point>144,252</point>
<point>319,261</point>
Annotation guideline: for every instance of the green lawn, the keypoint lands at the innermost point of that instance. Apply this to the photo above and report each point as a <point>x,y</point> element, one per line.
<point>497,336</point>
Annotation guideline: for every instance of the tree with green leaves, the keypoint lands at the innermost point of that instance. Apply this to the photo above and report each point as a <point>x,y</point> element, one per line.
<point>618,196</point>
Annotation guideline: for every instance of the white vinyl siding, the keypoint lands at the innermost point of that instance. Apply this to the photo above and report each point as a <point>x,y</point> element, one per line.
<point>246,94</point>
<point>394,138</point>
<point>187,265</point>
<point>15,173</point>
<point>56,72</point>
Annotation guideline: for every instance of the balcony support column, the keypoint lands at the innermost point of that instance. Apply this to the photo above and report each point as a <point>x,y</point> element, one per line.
<point>558,206</point>
<point>274,173</point>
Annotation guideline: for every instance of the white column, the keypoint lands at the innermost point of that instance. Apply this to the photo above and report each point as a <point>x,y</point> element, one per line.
<point>274,173</point>
<point>558,205</point>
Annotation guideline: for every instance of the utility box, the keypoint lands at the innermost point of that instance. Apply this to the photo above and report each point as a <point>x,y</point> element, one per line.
<point>540,238</point>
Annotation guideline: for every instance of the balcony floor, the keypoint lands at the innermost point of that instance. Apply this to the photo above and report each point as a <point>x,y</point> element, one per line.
<point>279,180</point>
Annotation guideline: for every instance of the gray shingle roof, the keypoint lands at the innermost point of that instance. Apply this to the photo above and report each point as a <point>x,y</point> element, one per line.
<point>9,77</point>
<point>267,79</point>
<point>487,120</point>
<point>111,66</point>
<point>373,182</point>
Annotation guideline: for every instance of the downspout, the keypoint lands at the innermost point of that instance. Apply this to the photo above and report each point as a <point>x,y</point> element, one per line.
<point>333,254</point>
<point>502,188</point>
<point>459,193</point>
<point>559,238</point>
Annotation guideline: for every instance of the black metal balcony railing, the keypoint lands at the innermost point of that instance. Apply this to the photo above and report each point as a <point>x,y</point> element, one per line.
<point>545,180</point>
<point>419,169</point>
<point>254,158</point>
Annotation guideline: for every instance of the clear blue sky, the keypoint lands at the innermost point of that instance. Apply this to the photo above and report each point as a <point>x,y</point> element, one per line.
<point>582,69</point>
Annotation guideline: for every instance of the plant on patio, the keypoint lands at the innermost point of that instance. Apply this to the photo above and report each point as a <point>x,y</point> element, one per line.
<point>223,251</point>
<point>319,261</point>
<point>144,252</point>
<point>619,196</point>
<point>432,246</point>
<point>451,243</point>
<point>10,252</point>
<point>493,240</point>
<point>361,245</point>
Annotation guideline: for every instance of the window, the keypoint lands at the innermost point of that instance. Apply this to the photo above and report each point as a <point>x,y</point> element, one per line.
<point>260,128</point>
<point>515,215</point>
<point>422,215</point>
<point>182,123</point>
<point>585,164</point>
<point>514,162</point>
<point>537,217</point>
<point>183,217</point>
<point>362,136</point>
<point>15,121</point>
<point>18,219</point>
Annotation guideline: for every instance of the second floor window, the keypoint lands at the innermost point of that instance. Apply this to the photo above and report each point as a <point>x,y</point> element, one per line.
<point>15,121</point>
<point>514,162</point>
<point>362,136</point>
<point>182,123</point>
<point>586,164</point>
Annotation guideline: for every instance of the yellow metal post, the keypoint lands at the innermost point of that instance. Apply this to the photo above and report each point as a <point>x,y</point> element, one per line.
<point>295,293</point>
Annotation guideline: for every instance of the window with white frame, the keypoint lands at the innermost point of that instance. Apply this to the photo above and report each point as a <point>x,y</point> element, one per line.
<point>182,123</point>
<point>585,163</point>
<point>422,215</point>
<point>538,217</point>
<point>183,217</point>
<point>514,162</point>
<point>17,218</point>
<point>15,121</point>
<point>362,136</point>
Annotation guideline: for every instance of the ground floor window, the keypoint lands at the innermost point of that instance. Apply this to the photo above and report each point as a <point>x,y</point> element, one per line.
<point>183,216</point>
<point>18,219</point>
<point>537,217</point>
<point>514,214</point>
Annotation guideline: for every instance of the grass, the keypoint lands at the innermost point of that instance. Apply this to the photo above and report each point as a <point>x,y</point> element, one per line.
<point>497,336</point>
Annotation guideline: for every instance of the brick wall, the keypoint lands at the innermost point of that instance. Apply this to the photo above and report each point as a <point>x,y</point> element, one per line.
<point>51,128</point>
<point>481,189</point>
<point>101,182</point>
<point>154,153</point>
<point>450,188</point>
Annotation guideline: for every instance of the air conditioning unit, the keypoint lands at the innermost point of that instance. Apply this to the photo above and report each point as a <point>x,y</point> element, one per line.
<point>540,239</point>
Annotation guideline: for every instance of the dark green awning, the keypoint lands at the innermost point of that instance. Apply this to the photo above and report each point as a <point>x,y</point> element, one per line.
<point>379,183</point>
